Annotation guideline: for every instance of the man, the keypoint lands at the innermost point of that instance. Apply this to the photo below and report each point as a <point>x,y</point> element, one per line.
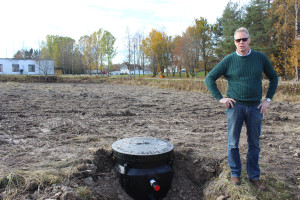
<point>243,71</point>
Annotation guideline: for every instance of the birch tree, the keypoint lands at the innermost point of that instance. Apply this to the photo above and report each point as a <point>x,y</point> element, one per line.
<point>109,49</point>
<point>85,46</point>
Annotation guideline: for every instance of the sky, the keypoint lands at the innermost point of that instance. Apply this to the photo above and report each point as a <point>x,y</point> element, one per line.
<point>25,24</point>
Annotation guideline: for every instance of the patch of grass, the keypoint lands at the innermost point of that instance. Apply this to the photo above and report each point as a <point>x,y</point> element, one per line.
<point>11,181</point>
<point>221,186</point>
<point>58,166</point>
<point>49,178</point>
<point>27,78</point>
<point>85,139</point>
<point>13,184</point>
<point>84,193</point>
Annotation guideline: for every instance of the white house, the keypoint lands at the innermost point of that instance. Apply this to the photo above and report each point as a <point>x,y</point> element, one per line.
<point>26,66</point>
<point>124,69</point>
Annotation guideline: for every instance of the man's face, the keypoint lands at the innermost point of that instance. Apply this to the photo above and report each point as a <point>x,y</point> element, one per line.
<point>242,46</point>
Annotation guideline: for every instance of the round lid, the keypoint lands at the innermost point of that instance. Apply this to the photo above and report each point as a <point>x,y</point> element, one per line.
<point>142,146</point>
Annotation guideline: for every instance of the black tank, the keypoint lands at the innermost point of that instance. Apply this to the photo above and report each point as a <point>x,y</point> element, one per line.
<point>144,166</point>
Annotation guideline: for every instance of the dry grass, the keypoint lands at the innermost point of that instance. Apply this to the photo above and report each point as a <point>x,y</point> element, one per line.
<point>221,188</point>
<point>85,193</point>
<point>13,185</point>
<point>286,91</point>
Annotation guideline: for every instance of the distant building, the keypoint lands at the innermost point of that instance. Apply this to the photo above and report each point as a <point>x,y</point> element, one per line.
<point>124,69</point>
<point>26,66</point>
<point>115,73</point>
<point>140,72</point>
<point>171,69</point>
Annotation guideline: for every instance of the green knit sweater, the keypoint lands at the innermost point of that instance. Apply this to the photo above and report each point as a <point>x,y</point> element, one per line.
<point>244,76</point>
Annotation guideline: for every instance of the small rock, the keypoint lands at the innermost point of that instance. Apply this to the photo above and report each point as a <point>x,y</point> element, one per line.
<point>64,189</point>
<point>32,186</point>
<point>16,142</point>
<point>89,181</point>
<point>69,196</point>
<point>195,161</point>
<point>82,167</point>
<point>92,167</point>
<point>221,198</point>
<point>57,195</point>
<point>263,137</point>
<point>209,169</point>
<point>296,155</point>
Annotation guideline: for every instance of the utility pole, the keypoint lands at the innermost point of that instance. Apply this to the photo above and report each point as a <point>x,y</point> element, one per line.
<point>134,59</point>
<point>72,61</point>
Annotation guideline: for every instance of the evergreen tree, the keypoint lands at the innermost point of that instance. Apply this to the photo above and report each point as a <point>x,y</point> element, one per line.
<point>230,21</point>
<point>259,24</point>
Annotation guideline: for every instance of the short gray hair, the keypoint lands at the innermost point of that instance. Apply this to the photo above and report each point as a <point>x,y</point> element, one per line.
<point>242,29</point>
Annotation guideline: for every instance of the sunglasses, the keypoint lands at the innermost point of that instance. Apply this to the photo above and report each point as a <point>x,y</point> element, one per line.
<point>239,40</point>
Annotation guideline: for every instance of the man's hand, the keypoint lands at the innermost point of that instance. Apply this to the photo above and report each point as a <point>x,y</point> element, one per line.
<point>264,106</point>
<point>228,102</point>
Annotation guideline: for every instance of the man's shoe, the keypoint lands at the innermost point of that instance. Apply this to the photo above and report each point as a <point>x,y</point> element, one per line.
<point>258,184</point>
<point>235,180</point>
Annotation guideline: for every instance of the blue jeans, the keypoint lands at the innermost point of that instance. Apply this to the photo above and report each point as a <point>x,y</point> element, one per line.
<point>253,119</point>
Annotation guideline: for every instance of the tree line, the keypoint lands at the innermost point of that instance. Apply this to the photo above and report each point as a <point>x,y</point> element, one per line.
<point>92,52</point>
<point>273,27</point>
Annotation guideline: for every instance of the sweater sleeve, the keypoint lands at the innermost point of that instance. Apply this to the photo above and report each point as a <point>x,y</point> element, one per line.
<point>272,76</point>
<point>213,75</point>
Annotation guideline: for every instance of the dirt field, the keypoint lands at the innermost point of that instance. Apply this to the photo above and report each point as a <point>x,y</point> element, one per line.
<point>57,126</point>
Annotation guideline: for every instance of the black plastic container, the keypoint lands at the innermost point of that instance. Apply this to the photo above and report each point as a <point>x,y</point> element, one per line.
<point>144,166</point>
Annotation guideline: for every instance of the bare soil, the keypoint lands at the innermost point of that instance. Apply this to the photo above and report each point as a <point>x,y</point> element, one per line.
<point>52,126</point>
